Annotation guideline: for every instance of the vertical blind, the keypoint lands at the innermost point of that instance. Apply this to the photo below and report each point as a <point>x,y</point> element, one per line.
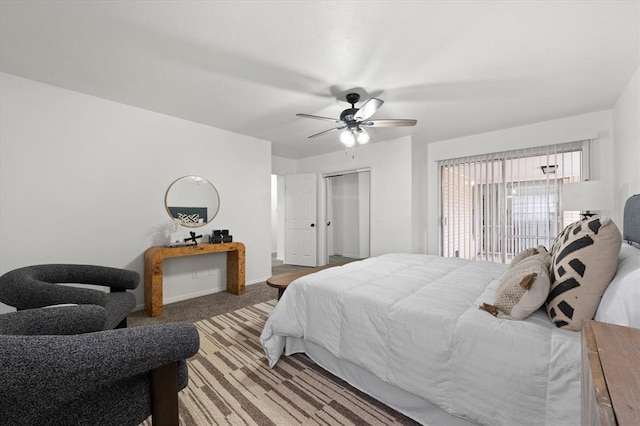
<point>493,206</point>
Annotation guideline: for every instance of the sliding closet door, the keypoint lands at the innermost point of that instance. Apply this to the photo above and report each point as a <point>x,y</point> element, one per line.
<point>348,212</point>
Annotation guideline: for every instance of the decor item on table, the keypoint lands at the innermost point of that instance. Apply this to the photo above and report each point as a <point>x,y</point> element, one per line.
<point>220,236</point>
<point>174,232</point>
<point>192,238</point>
<point>38,286</point>
<point>192,199</point>
<point>586,197</point>
<point>353,121</point>
<point>59,367</point>
<point>584,258</point>
<point>524,287</point>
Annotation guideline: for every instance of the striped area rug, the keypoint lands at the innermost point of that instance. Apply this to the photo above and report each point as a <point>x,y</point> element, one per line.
<point>230,382</point>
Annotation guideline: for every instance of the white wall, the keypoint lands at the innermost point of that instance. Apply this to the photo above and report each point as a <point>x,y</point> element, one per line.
<point>281,167</point>
<point>598,125</point>
<point>82,180</point>
<point>391,179</point>
<point>280,237</point>
<point>274,213</point>
<point>419,190</point>
<point>626,130</point>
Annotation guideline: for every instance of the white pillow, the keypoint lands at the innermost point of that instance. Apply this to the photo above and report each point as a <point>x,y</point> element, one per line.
<point>523,288</point>
<point>620,302</point>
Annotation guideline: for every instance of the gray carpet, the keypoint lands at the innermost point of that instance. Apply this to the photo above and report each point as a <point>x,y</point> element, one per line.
<point>208,306</point>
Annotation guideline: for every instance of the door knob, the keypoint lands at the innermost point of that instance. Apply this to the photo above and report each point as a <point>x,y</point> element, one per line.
<point>313,225</point>
<point>329,223</point>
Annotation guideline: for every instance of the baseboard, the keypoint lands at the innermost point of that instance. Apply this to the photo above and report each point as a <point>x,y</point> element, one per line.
<point>198,294</point>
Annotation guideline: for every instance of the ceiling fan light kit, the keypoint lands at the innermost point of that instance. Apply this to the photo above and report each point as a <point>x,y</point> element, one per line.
<point>349,137</point>
<point>353,120</point>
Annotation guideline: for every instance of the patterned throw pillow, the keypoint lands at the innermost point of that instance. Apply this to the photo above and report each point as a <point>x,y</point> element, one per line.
<point>524,254</point>
<point>523,287</point>
<point>584,258</point>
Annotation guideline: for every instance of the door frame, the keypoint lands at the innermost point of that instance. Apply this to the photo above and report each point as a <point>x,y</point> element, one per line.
<point>323,205</point>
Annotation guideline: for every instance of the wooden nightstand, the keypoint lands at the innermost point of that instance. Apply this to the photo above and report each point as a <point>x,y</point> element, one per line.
<point>610,374</point>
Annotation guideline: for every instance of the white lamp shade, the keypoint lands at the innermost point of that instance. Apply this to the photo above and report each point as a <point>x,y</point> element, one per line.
<point>348,138</point>
<point>363,136</point>
<point>587,195</point>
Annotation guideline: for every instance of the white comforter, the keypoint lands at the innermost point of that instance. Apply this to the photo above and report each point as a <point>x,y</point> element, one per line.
<point>414,322</point>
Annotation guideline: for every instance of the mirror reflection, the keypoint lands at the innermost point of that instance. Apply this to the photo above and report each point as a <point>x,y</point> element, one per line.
<point>192,200</point>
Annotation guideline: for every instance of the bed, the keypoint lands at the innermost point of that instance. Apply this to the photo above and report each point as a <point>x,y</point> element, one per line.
<point>407,330</point>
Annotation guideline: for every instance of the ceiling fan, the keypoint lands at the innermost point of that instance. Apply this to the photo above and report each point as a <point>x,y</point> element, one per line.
<point>353,121</point>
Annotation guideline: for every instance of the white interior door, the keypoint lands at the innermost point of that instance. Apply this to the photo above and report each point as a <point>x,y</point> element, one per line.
<point>301,220</point>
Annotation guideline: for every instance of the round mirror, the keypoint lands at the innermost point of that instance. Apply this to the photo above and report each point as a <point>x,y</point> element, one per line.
<point>192,200</point>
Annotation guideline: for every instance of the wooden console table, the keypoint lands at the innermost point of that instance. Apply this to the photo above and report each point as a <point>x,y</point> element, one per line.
<point>154,256</point>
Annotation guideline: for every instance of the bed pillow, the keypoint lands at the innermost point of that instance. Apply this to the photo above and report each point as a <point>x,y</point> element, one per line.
<point>620,302</point>
<point>524,254</point>
<point>523,287</point>
<point>584,258</point>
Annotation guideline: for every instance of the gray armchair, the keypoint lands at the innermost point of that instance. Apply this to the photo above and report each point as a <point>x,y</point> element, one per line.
<point>52,376</point>
<point>37,286</point>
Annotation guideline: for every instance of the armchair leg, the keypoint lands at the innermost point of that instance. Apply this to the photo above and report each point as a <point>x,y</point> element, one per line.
<point>122,324</point>
<point>164,395</point>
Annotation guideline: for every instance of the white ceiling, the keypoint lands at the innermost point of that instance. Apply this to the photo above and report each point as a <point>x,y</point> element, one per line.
<point>458,67</point>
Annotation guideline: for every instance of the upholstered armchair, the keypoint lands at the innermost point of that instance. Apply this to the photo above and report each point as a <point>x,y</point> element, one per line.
<point>52,376</point>
<point>39,285</point>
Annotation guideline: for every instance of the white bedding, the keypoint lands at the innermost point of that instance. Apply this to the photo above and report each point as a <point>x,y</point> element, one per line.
<point>413,321</point>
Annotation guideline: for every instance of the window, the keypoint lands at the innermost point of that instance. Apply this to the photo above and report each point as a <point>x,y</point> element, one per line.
<point>495,205</point>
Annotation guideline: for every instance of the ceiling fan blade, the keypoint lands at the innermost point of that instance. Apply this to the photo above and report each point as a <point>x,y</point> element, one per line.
<point>368,109</point>
<point>327,131</point>
<point>317,117</point>
<point>389,123</point>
